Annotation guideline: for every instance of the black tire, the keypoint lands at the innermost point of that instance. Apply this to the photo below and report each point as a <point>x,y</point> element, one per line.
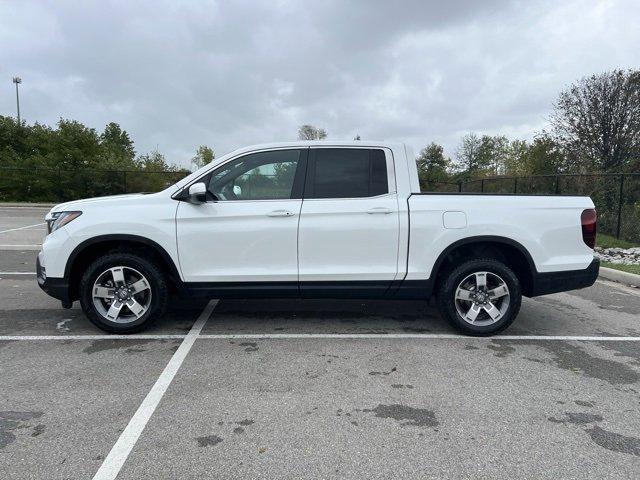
<point>157,286</point>
<point>447,292</point>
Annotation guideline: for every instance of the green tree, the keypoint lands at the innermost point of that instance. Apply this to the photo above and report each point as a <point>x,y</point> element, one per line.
<point>15,142</point>
<point>204,156</point>
<point>473,157</point>
<point>153,162</point>
<point>74,147</point>
<point>597,121</point>
<point>544,157</point>
<point>433,166</point>
<point>118,151</point>
<point>309,132</point>
<point>493,154</point>
<point>515,159</point>
<point>154,173</point>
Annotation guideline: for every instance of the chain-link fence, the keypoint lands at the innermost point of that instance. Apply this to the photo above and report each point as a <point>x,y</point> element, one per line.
<point>50,185</point>
<point>616,195</point>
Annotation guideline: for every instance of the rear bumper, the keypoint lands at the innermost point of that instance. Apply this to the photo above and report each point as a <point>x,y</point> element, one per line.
<point>553,282</point>
<point>55,287</point>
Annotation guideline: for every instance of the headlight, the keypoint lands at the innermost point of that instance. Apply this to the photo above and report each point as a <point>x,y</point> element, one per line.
<point>60,219</point>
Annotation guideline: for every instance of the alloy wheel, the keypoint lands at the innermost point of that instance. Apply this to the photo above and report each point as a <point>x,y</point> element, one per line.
<point>121,294</point>
<point>482,298</point>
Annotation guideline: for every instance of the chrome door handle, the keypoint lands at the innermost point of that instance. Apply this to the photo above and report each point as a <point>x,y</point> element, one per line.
<point>280,213</point>
<point>383,210</point>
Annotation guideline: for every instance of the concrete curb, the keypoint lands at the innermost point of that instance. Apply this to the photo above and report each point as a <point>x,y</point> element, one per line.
<point>620,276</point>
<point>26,205</point>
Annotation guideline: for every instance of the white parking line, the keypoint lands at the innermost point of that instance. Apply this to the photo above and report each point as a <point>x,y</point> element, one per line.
<point>26,207</point>
<point>23,228</point>
<point>433,336</point>
<point>17,273</point>
<point>32,246</point>
<point>118,455</point>
<point>32,338</point>
<point>303,336</point>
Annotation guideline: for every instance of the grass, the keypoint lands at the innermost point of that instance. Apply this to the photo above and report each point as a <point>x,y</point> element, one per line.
<point>625,268</point>
<point>607,241</point>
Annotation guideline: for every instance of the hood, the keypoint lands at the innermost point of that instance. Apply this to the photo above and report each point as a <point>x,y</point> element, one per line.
<point>78,204</point>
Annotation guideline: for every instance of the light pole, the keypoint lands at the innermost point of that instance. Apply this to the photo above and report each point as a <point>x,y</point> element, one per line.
<point>17,81</point>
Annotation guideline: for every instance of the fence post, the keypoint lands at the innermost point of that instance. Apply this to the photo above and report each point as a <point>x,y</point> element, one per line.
<point>459,186</point>
<point>59,182</point>
<point>482,186</point>
<point>124,181</point>
<point>557,184</point>
<point>515,185</point>
<point>620,205</point>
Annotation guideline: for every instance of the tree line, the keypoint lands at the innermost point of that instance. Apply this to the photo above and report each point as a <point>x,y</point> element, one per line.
<point>71,160</point>
<point>72,146</point>
<point>594,127</point>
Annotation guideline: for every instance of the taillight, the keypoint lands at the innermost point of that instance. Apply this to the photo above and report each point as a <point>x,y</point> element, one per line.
<point>589,221</point>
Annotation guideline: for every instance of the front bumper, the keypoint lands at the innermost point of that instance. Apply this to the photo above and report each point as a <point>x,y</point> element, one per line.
<point>553,282</point>
<point>55,287</point>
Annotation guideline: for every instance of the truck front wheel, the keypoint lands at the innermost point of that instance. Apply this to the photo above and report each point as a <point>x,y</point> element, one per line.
<point>123,293</point>
<point>480,297</point>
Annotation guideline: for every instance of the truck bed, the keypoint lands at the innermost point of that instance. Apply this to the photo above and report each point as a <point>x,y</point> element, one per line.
<point>546,226</point>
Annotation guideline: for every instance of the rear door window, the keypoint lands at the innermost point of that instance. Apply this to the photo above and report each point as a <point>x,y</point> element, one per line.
<point>347,173</point>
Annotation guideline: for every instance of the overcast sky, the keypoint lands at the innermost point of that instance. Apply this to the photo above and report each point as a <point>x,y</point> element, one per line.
<point>179,74</point>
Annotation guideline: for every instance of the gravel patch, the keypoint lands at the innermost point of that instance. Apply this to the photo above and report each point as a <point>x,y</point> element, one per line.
<point>624,256</point>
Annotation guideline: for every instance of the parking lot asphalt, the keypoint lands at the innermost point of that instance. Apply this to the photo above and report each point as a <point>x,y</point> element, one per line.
<point>22,228</point>
<point>318,389</point>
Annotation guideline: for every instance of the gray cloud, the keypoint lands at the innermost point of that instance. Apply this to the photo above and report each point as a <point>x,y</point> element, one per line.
<point>227,74</point>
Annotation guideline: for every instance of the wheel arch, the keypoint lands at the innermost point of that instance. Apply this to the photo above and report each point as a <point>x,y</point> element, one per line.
<point>505,249</point>
<point>92,248</point>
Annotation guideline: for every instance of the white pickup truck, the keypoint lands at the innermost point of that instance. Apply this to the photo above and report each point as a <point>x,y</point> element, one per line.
<point>311,219</point>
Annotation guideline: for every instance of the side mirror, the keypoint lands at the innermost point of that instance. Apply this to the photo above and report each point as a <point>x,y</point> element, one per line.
<point>198,193</point>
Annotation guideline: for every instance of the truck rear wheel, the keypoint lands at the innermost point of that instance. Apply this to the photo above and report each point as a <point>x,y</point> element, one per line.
<point>480,297</point>
<point>123,293</point>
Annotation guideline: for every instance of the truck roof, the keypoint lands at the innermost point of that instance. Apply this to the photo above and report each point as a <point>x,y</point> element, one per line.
<point>297,143</point>
<point>323,143</point>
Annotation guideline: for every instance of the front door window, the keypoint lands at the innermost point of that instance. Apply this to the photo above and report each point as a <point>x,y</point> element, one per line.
<point>257,176</point>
